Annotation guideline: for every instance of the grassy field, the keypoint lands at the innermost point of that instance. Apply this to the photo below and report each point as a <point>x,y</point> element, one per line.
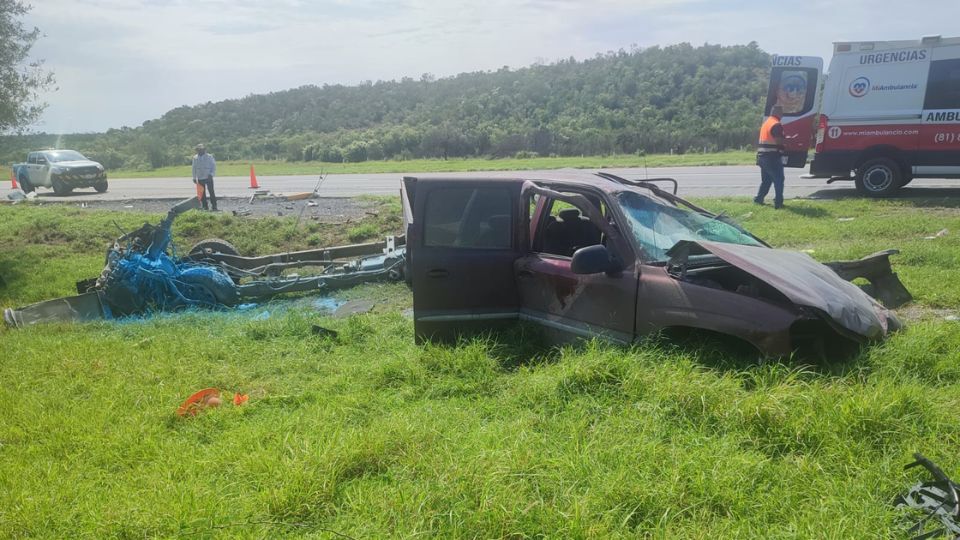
<point>368,435</point>
<point>278,168</point>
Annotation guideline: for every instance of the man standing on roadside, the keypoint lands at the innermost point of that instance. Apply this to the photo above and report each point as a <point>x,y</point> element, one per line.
<point>204,167</point>
<point>769,152</point>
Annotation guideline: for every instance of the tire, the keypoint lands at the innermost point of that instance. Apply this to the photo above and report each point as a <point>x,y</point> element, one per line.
<point>879,177</point>
<point>203,286</point>
<point>213,245</point>
<point>25,184</point>
<point>906,181</point>
<point>59,188</point>
<point>100,187</point>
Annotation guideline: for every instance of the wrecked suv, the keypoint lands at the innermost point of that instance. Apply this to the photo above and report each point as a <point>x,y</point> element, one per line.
<point>586,256</point>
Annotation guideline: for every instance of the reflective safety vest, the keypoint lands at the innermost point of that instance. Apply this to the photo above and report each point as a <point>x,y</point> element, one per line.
<point>768,143</point>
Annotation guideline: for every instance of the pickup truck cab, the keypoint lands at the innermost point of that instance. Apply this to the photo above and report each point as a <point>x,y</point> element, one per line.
<point>602,256</point>
<point>60,170</point>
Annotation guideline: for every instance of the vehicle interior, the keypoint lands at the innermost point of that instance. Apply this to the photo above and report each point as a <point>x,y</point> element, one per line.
<point>566,229</point>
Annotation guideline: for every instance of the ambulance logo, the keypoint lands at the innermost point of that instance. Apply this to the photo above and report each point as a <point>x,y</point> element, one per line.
<point>834,132</point>
<point>859,87</point>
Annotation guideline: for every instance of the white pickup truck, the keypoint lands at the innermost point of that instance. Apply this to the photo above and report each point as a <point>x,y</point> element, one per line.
<point>60,170</point>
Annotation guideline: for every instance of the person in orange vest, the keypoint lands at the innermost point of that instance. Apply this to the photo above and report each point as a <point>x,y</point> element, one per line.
<point>769,152</point>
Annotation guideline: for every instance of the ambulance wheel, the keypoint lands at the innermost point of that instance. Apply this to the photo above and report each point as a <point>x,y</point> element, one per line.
<point>879,177</point>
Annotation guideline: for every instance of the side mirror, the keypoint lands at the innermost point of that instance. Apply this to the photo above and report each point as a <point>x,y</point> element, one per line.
<point>594,260</point>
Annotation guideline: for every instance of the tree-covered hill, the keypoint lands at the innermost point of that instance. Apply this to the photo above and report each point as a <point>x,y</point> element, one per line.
<point>651,100</point>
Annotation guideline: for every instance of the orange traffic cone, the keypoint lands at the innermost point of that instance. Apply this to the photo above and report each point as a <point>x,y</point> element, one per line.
<point>253,179</point>
<point>13,180</point>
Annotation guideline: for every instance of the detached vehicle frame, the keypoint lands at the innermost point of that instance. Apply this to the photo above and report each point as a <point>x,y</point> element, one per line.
<point>602,256</point>
<point>142,275</point>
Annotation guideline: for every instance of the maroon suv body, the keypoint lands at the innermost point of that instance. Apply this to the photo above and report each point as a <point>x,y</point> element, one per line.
<point>585,255</point>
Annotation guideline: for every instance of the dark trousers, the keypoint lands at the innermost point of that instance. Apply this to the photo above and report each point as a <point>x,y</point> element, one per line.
<point>208,191</point>
<point>771,172</point>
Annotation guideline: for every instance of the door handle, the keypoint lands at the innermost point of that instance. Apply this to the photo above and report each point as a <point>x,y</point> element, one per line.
<point>437,273</point>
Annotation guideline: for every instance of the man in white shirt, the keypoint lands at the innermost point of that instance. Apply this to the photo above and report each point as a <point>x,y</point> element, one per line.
<point>204,167</point>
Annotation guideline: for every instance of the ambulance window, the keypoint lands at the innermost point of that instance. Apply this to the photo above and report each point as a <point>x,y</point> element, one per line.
<point>793,89</point>
<point>943,86</point>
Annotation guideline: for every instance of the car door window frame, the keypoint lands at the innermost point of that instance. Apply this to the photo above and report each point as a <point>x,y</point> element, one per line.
<point>466,217</point>
<point>615,240</point>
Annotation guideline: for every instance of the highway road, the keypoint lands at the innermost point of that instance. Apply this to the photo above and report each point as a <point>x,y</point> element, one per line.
<point>694,182</point>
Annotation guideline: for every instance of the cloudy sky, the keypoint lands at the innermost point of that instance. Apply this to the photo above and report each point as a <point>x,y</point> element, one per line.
<point>121,62</point>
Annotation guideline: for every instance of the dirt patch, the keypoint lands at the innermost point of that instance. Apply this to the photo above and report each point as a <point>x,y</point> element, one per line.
<point>323,210</point>
<point>915,313</point>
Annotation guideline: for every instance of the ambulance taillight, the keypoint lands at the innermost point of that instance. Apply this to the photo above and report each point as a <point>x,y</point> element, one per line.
<point>821,132</point>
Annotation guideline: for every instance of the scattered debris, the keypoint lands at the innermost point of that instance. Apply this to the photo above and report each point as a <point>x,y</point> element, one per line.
<point>208,397</point>
<point>242,212</point>
<point>240,399</point>
<point>937,499</point>
<point>327,304</point>
<point>846,219</point>
<point>312,203</point>
<point>323,332</point>
<point>300,196</point>
<point>353,307</point>
<point>951,318</point>
<point>940,234</point>
<point>16,195</point>
<point>32,195</point>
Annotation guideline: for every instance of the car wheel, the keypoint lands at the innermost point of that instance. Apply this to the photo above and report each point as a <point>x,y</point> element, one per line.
<point>60,188</point>
<point>879,177</point>
<point>101,187</point>
<point>213,245</point>
<point>25,184</point>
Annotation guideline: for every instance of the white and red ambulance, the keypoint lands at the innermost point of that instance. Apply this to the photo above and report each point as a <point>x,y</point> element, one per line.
<point>885,113</point>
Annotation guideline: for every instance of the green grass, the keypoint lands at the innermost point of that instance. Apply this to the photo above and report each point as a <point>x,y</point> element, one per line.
<point>278,168</point>
<point>371,436</point>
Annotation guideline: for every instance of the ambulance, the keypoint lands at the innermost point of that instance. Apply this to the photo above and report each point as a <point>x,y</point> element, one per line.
<point>885,113</point>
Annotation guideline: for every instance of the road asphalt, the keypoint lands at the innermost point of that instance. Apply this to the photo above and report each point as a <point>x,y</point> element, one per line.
<point>694,182</point>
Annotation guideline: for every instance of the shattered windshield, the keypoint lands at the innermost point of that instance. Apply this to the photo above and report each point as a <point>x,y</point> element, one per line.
<point>64,155</point>
<point>658,225</point>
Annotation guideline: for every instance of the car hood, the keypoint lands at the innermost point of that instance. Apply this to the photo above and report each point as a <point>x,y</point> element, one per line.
<point>74,164</point>
<point>803,280</point>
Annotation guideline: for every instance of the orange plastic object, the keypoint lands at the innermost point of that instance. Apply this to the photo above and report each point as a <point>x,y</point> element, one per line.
<point>200,189</point>
<point>240,399</point>
<point>197,401</point>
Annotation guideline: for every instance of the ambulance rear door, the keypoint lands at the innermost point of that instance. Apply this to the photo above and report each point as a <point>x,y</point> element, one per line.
<point>795,86</point>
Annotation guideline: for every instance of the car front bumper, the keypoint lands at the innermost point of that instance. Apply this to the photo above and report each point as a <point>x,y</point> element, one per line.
<point>80,178</point>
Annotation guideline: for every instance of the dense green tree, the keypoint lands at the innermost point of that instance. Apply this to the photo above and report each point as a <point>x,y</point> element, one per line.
<point>678,98</point>
<point>20,81</point>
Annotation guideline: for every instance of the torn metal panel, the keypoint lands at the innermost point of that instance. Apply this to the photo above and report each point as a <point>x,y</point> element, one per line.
<point>82,308</point>
<point>875,268</point>
<point>800,278</point>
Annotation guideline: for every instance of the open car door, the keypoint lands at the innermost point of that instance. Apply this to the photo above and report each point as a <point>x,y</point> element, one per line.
<point>795,86</point>
<point>463,237</point>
